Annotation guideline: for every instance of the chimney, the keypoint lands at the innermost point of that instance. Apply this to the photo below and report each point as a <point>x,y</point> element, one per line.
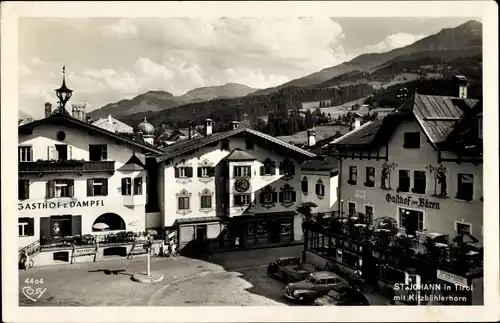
<point>48,109</point>
<point>110,120</point>
<point>461,84</point>
<point>311,137</point>
<point>357,123</point>
<point>208,127</point>
<point>234,124</point>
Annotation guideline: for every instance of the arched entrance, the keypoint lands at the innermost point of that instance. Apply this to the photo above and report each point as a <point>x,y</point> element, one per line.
<point>113,220</point>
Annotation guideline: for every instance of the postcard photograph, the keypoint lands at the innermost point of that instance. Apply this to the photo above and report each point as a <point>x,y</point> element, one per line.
<point>300,162</point>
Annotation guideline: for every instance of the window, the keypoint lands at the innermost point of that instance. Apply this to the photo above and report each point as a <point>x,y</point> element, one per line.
<point>411,220</point>
<point>268,195</point>
<point>404,180</point>
<point>225,145</point>
<point>205,172</point>
<point>320,188</point>
<point>97,187</point>
<point>126,186</point>
<point>305,185</point>
<point>23,189</point>
<point>353,175</point>
<point>98,152</point>
<point>26,227</point>
<point>242,199</point>
<point>183,203</point>
<point>268,169</point>
<point>412,140</point>
<point>463,228</point>
<point>249,143</point>
<point>369,213</point>
<point>25,153</point>
<point>351,206</point>
<point>242,171</point>
<point>286,228</point>
<point>287,194</point>
<point>62,152</point>
<point>183,172</point>
<point>138,186</point>
<point>370,177</point>
<point>287,168</point>
<point>419,182</point>
<point>465,187</point>
<point>60,188</point>
<point>206,201</point>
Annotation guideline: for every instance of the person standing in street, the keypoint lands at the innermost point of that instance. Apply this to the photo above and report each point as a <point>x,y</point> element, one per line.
<point>131,252</point>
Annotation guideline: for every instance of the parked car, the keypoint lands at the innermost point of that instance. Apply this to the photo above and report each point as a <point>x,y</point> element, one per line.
<point>316,285</point>
<point>290,269</point>
<point>342,296</point>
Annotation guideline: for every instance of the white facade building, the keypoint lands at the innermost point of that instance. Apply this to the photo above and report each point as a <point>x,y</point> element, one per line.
<point>73,175</point>
<point>235,188</point>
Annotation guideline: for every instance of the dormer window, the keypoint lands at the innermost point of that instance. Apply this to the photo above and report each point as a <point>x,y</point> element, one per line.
<point>412,140</point>
<point>287,168</point>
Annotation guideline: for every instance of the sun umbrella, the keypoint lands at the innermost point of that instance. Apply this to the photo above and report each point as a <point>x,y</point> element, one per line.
<point>465,238</point>
<point>100,226</point>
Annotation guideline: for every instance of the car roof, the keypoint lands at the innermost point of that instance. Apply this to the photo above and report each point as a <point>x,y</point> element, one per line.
<point>325,274</point>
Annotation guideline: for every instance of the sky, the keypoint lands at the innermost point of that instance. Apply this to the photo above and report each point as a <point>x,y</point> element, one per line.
<point>110,59</point>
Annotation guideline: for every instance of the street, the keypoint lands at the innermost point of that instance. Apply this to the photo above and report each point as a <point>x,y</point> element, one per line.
<point>231,278</point>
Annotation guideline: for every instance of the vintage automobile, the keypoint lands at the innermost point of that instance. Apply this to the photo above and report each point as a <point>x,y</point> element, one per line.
<point>316,285</point>
<point>342,296</point>
<point>289,269</point>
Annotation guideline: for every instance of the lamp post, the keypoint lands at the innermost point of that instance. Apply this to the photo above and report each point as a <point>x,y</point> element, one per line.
<point>63,94</point>
<point>148,249</point>
<point>341,208</point>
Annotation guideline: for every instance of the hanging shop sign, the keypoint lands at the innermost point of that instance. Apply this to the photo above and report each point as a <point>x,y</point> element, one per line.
<point>59,205</point>
<point>409,201</point>
<point>84,252</point>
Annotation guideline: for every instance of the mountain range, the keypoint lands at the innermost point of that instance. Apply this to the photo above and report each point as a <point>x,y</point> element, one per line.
<point>452,50</point>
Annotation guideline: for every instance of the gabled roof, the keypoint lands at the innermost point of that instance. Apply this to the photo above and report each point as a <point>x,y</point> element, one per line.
<point>113,125</point>
<point>133,164</point>
<point>69,120</point>
<point>240,155</point>
<point>437,115</point>
<point>187,146</point>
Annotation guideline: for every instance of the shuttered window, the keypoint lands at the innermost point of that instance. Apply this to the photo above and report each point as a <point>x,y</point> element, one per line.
<point>97,187</point>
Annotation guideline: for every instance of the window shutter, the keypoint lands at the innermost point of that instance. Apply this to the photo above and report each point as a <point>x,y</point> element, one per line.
<point>275,197</point>
<point>282,171</point>
<point>190,172</point>
<point>26,184</point>
<point>281,197</point>
<point>124,185</point>
<point>70,152</point>
<point>176,173</point>
<point>294,196</point>
<point>31,227</point>
<point>105,186</point>
<point>45,228</point>
<point>273,170</point>
<point>90,186</point>
<point>49,189</point>
<point>71,187</point>
<point>199,171</point>
<point>104,152</point>
<point>211,171</point>
<point>261,170</point>
<point>261,197</point>
<point>76,225</point>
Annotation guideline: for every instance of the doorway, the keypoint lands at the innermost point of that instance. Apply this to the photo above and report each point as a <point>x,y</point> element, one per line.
<point>62,152</point>
<point>274,231</point>
<point>60,227</point>
<point>411,220</point>
<point>201,236</point>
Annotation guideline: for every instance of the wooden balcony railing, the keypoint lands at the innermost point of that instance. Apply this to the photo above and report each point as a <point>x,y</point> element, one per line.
<point>66,166</point>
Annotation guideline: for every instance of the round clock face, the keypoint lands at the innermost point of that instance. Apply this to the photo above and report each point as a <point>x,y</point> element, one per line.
<point>242,185</point>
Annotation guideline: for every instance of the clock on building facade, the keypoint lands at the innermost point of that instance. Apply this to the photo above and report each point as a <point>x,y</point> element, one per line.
<point>242,185</point>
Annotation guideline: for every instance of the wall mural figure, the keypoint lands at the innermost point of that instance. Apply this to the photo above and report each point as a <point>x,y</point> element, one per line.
<point>385,180</point>
<point>439,173</point>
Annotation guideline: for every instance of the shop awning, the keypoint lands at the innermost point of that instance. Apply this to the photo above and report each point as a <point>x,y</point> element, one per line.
<point>203,219</point>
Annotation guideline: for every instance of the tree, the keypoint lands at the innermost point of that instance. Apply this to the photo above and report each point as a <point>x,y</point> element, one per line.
<point>305,210</point>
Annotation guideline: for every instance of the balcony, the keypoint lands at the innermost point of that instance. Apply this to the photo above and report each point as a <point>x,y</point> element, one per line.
<point>66,166</point>
<point>134,200</point>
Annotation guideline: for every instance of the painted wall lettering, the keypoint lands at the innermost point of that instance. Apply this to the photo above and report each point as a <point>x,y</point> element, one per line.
<point>84,252</point>
<point>58,205</point>
<point>408,200</point>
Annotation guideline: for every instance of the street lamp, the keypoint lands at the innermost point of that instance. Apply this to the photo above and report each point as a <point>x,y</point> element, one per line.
<point>63,94</point>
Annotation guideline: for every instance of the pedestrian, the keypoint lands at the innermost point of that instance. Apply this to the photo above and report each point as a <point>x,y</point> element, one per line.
<point>130,254</point>
<point>237,242</point>
<point>23,260</point>
<point>173,248</point>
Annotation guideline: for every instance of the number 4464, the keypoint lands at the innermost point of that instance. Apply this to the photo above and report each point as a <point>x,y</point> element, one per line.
<point>32,281</point>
